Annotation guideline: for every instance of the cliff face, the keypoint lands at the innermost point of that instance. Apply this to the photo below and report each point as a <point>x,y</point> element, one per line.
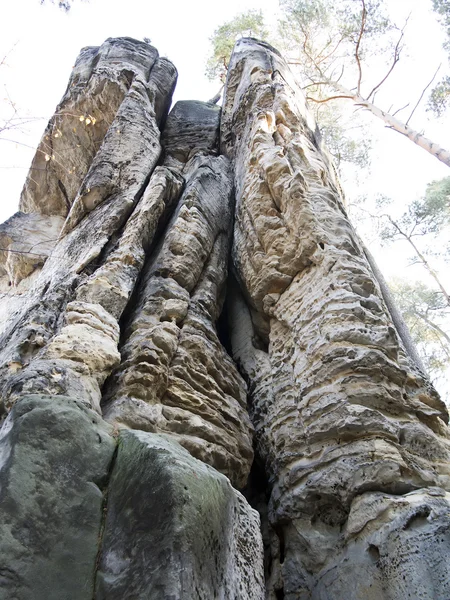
<point>188,315</point>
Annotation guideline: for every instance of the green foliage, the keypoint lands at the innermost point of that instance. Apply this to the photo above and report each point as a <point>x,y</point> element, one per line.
<point>250,23</point>
<point>336,128</point>
<point>439,97</point>
<point>330,34</point>
<point>428,215</point>
<point>442,8</point>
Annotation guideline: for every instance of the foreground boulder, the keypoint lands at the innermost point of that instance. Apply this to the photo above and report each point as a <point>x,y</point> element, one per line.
<point>176,528</point>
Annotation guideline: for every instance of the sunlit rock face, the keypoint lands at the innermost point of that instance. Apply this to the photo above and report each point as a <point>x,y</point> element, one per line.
<point>353,437</point>
<point>187,314</point>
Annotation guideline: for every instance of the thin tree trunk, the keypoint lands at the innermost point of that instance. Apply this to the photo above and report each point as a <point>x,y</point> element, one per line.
<point>397,318</point>
<point>423,142</point>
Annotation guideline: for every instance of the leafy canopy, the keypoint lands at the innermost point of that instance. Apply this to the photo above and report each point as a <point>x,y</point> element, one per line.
<point>250,23</point>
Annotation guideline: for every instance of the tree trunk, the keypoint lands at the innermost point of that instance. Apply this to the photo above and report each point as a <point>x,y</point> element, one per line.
<point>393,123</point>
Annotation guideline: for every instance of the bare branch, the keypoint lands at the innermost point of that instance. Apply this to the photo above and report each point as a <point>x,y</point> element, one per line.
<point>361,33</point>
<point>422,94</point>
<point>397,51</point>
<point>3,60</point>
<point>340,76</point>
<point>314,83</point>
<point>399,109</point>
<point>333,51</point>
<point>327,99</point>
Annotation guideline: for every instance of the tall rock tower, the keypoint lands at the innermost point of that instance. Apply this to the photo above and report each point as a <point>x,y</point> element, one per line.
<point>203,393</point>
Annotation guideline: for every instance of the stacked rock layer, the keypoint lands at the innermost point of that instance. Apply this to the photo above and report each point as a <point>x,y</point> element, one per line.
<point>137,408</point>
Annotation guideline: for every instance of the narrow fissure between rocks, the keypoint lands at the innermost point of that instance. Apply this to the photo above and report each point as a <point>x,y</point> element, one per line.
<point>103,516</point>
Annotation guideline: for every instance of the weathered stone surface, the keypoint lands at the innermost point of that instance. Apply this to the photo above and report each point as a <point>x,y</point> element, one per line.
<point>124,314</point>
<point>182,533</point>
<point>55,457</point>
<point>175,376</point>
<point>107,187</point>
<point>101,79</point>
<point>192,127</point>
<point>111,285</point>
<point>26,240</point>
<point>340,414</point>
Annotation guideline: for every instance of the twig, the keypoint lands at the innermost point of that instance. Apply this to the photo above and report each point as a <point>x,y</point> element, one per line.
<point>397,51</point>
<point>422,94</point>
<point>327,99</point>
<point>361,32</point>
<point>399,109</point>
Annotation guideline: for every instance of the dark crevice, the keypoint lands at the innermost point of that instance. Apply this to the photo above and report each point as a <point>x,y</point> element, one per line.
<point>257,493</point>
<point>62,187</point>
<point>152,252</point>
<point>223,330</point>
<point>279,594</point>
<point>280,534</point>
<point>151,255</point>
<point>104,514</point>
<point>111,245</point>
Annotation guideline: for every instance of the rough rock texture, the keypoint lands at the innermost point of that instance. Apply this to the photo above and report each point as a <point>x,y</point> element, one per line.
<point>111,92</point>
<point>175,376</point>
<point>26,241</point>
<point>107,182</point>
<point>55,457</point>
<point>119,305</point>
<point>184,532</point>
<point>353,437</point>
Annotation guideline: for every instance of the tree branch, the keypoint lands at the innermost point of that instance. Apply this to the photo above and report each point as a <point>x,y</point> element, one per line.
<point>361,33</point>
<point>397,51</point>
<point>399,109</point>
<point>422,94</point>
<point>326,99</point>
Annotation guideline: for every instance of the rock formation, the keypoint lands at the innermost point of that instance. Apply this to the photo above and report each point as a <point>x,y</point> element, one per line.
<point>203,391</point>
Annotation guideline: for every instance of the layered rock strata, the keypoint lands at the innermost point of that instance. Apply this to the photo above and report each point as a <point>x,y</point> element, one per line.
<point>175,376</point>
<point>133,402</point>
<point>128,286</point>
<point>50,345</point>
<point>353,437</point>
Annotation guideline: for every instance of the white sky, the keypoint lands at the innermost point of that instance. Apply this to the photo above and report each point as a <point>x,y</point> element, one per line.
<point>43,43</point>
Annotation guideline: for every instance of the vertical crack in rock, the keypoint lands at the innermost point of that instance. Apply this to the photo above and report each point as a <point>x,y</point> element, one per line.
<point>353,436</point>
<point>175,376</point>
<point>103,520</point>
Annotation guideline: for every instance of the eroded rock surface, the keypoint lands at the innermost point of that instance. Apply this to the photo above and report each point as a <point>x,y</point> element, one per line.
<point>136,401</point>
<point>55,456</point>
<point>343,419</point>
<point>175,376</point>
<point>104,187</point>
